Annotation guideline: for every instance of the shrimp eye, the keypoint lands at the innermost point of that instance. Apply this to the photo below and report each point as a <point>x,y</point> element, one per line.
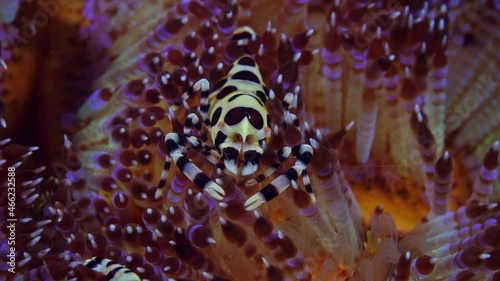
<point>230,153</point>
<point>252,156</point>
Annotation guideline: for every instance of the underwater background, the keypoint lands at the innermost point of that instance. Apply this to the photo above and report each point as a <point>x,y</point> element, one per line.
<point>398,99</point>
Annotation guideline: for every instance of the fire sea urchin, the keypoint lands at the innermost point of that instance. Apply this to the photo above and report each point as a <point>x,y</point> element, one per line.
<point>250,140</point>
